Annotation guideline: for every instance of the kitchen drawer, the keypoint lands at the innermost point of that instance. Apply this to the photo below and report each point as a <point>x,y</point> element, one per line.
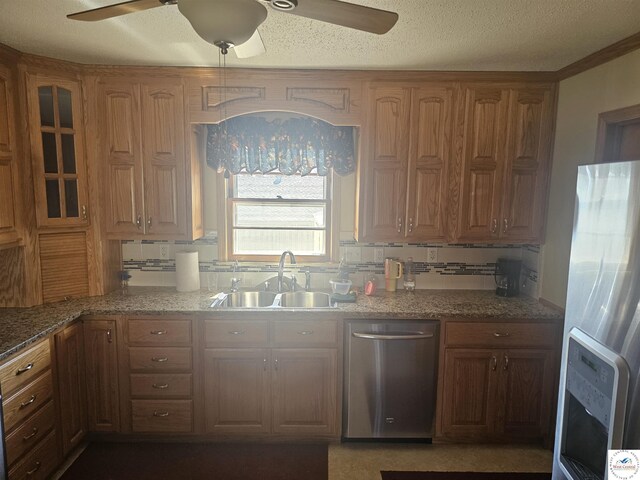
<point>39,463</point>
<point>317,333</point>
<point>501,334</point>
<point>27,401</point>
<point>160,358</point>
<point>236,333</point>
<point>30,433</point>
<point>161,416</point>
<point>25,367</point>
<point>160,385</point>
<point>159,332</point>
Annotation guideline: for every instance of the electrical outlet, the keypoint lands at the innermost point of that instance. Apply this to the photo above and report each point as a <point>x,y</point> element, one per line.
<point>164,251</point>
<point>378,255</point>
<point>432,255</point>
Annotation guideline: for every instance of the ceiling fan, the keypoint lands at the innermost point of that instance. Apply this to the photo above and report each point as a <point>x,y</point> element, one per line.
<point>233,23</point>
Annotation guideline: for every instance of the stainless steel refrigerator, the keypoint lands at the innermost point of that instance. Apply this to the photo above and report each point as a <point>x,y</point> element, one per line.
<point>599,391</point>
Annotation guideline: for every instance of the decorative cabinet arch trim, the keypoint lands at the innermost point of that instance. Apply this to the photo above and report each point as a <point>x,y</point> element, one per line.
<point>334,98</point>
<point>215,97</point>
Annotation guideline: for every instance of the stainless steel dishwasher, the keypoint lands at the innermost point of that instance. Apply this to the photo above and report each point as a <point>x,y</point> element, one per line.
<point>390,379</point>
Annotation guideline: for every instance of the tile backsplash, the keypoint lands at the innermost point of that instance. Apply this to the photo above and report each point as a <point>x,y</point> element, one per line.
<point>437,266</point>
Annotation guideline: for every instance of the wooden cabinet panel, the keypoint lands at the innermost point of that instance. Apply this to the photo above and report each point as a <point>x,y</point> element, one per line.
<point>501,334</point>
<point>30,433</point>
<point>8,233</point>
<point>56,122</point>
<point>304,391</point>
<point>237,390</point>
<point>123,158</point>
<point>161,385</point>
<point>39,463</point>
<point>159,332</point>
<point>160,358</point>
<point>27,400</point>
<point>526,392</point>
<point>101,365</point>
<point>470,389</point>
<point>25,367</point>
<point>236,333</point>
<point>64,266</point>
<point>71,386</point>
<point>156,416</point>
<point>305,333</point>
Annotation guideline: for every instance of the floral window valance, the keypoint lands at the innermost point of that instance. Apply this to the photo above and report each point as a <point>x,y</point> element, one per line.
<point>297,145</point>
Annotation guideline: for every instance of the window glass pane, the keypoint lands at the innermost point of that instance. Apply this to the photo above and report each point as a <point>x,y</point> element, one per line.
<point>274,242</point>
<point>68,154</point>
<point>49,152</point>
<point>310,187</point>
<point>292,216</point>
<point>64,108</point>
<point>71,198</point>
<point>45,97</point>
<point>53,198</point>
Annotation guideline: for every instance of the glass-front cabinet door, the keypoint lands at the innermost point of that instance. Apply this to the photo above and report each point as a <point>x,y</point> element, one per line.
<point>57,146</point>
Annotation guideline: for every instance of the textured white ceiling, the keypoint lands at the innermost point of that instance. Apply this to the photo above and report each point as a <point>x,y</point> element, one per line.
<point>430,35</point>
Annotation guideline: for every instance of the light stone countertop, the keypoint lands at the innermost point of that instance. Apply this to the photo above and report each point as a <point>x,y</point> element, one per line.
<point>20,327</point>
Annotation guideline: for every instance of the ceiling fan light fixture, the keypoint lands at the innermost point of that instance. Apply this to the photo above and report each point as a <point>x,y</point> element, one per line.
<point>224,22</point>
<point>284,5</point>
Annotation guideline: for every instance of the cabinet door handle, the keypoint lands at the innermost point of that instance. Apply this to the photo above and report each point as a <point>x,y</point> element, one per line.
<point>494,225</point>
<point>139,222</point>
<point>399,224</point>
<point>24,369</point>
<point>236,332</point>
<point>33,433</point>
<point>410,225</point>
<point>28,402</point>
<point>494,363</point>
<point>506,362</point>
<point>505,225</point>
<point>160,414</point>
<point>160,386</point>
<point>276,362</point>
<point>265,364</point>
<point>501,334</point>
<point>306,332</point>
<point>109,336</point>
<point>34,469</point>
<point>158,332</point>
<point>150,222</point>
<point>84,212</point>
<point>159,359</point>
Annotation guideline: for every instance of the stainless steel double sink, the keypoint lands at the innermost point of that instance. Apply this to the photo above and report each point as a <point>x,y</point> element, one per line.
<point>264,299</point>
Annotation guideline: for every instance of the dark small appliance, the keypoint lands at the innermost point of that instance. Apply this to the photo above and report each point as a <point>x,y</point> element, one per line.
<point>507,277</point>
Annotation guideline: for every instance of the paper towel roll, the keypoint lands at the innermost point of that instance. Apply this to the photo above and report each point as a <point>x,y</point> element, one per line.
<point>187,272</point>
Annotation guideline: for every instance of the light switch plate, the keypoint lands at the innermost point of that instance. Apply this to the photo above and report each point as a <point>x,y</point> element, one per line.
<point>432,255</point>
<point>378,255</point>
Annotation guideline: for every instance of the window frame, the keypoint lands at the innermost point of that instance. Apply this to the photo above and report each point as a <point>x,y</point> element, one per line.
<point>225,226</point>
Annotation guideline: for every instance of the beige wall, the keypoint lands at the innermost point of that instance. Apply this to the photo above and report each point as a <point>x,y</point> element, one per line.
<point>613,85</point>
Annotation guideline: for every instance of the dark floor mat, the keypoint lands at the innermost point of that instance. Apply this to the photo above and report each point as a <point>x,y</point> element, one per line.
<point>184,461</point>
<point>464,476</point>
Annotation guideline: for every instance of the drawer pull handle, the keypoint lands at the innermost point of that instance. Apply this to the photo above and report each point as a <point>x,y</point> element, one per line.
<point>28,402</point>
<point>158,332</point>
<point>24,369</point>
<point>33,433</point>
<point>159,359</point>
<point>160,414</point>
<point>236,332</point>
<point>34,469</point>
<point>160,386</point>
<point>501,335</point>
<point>306,332</point>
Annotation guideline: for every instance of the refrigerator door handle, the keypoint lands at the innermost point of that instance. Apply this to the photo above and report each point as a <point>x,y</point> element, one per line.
<point>377,336</point>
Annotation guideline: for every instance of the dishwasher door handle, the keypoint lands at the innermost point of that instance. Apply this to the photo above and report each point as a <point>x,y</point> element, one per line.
<point>378,336</point>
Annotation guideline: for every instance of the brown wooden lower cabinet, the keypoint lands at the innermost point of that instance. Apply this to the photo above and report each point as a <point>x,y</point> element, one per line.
<point>101,364</point>
<point>70,361</point>
<point>497,394</point>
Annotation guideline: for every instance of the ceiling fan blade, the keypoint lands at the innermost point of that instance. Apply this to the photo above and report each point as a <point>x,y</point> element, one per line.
<point>347,15</point>
<point>251,48</point>
<point>116,10</point>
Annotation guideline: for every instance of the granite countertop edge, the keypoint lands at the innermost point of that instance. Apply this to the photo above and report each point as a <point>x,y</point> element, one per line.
<point>21,327</point>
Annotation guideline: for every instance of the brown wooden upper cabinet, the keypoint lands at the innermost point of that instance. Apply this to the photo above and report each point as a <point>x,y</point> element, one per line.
<point>404,165</point>
<point>144,153</point>
<point>57,148</point>
<point>8,231</point>
<point>505,135</point>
